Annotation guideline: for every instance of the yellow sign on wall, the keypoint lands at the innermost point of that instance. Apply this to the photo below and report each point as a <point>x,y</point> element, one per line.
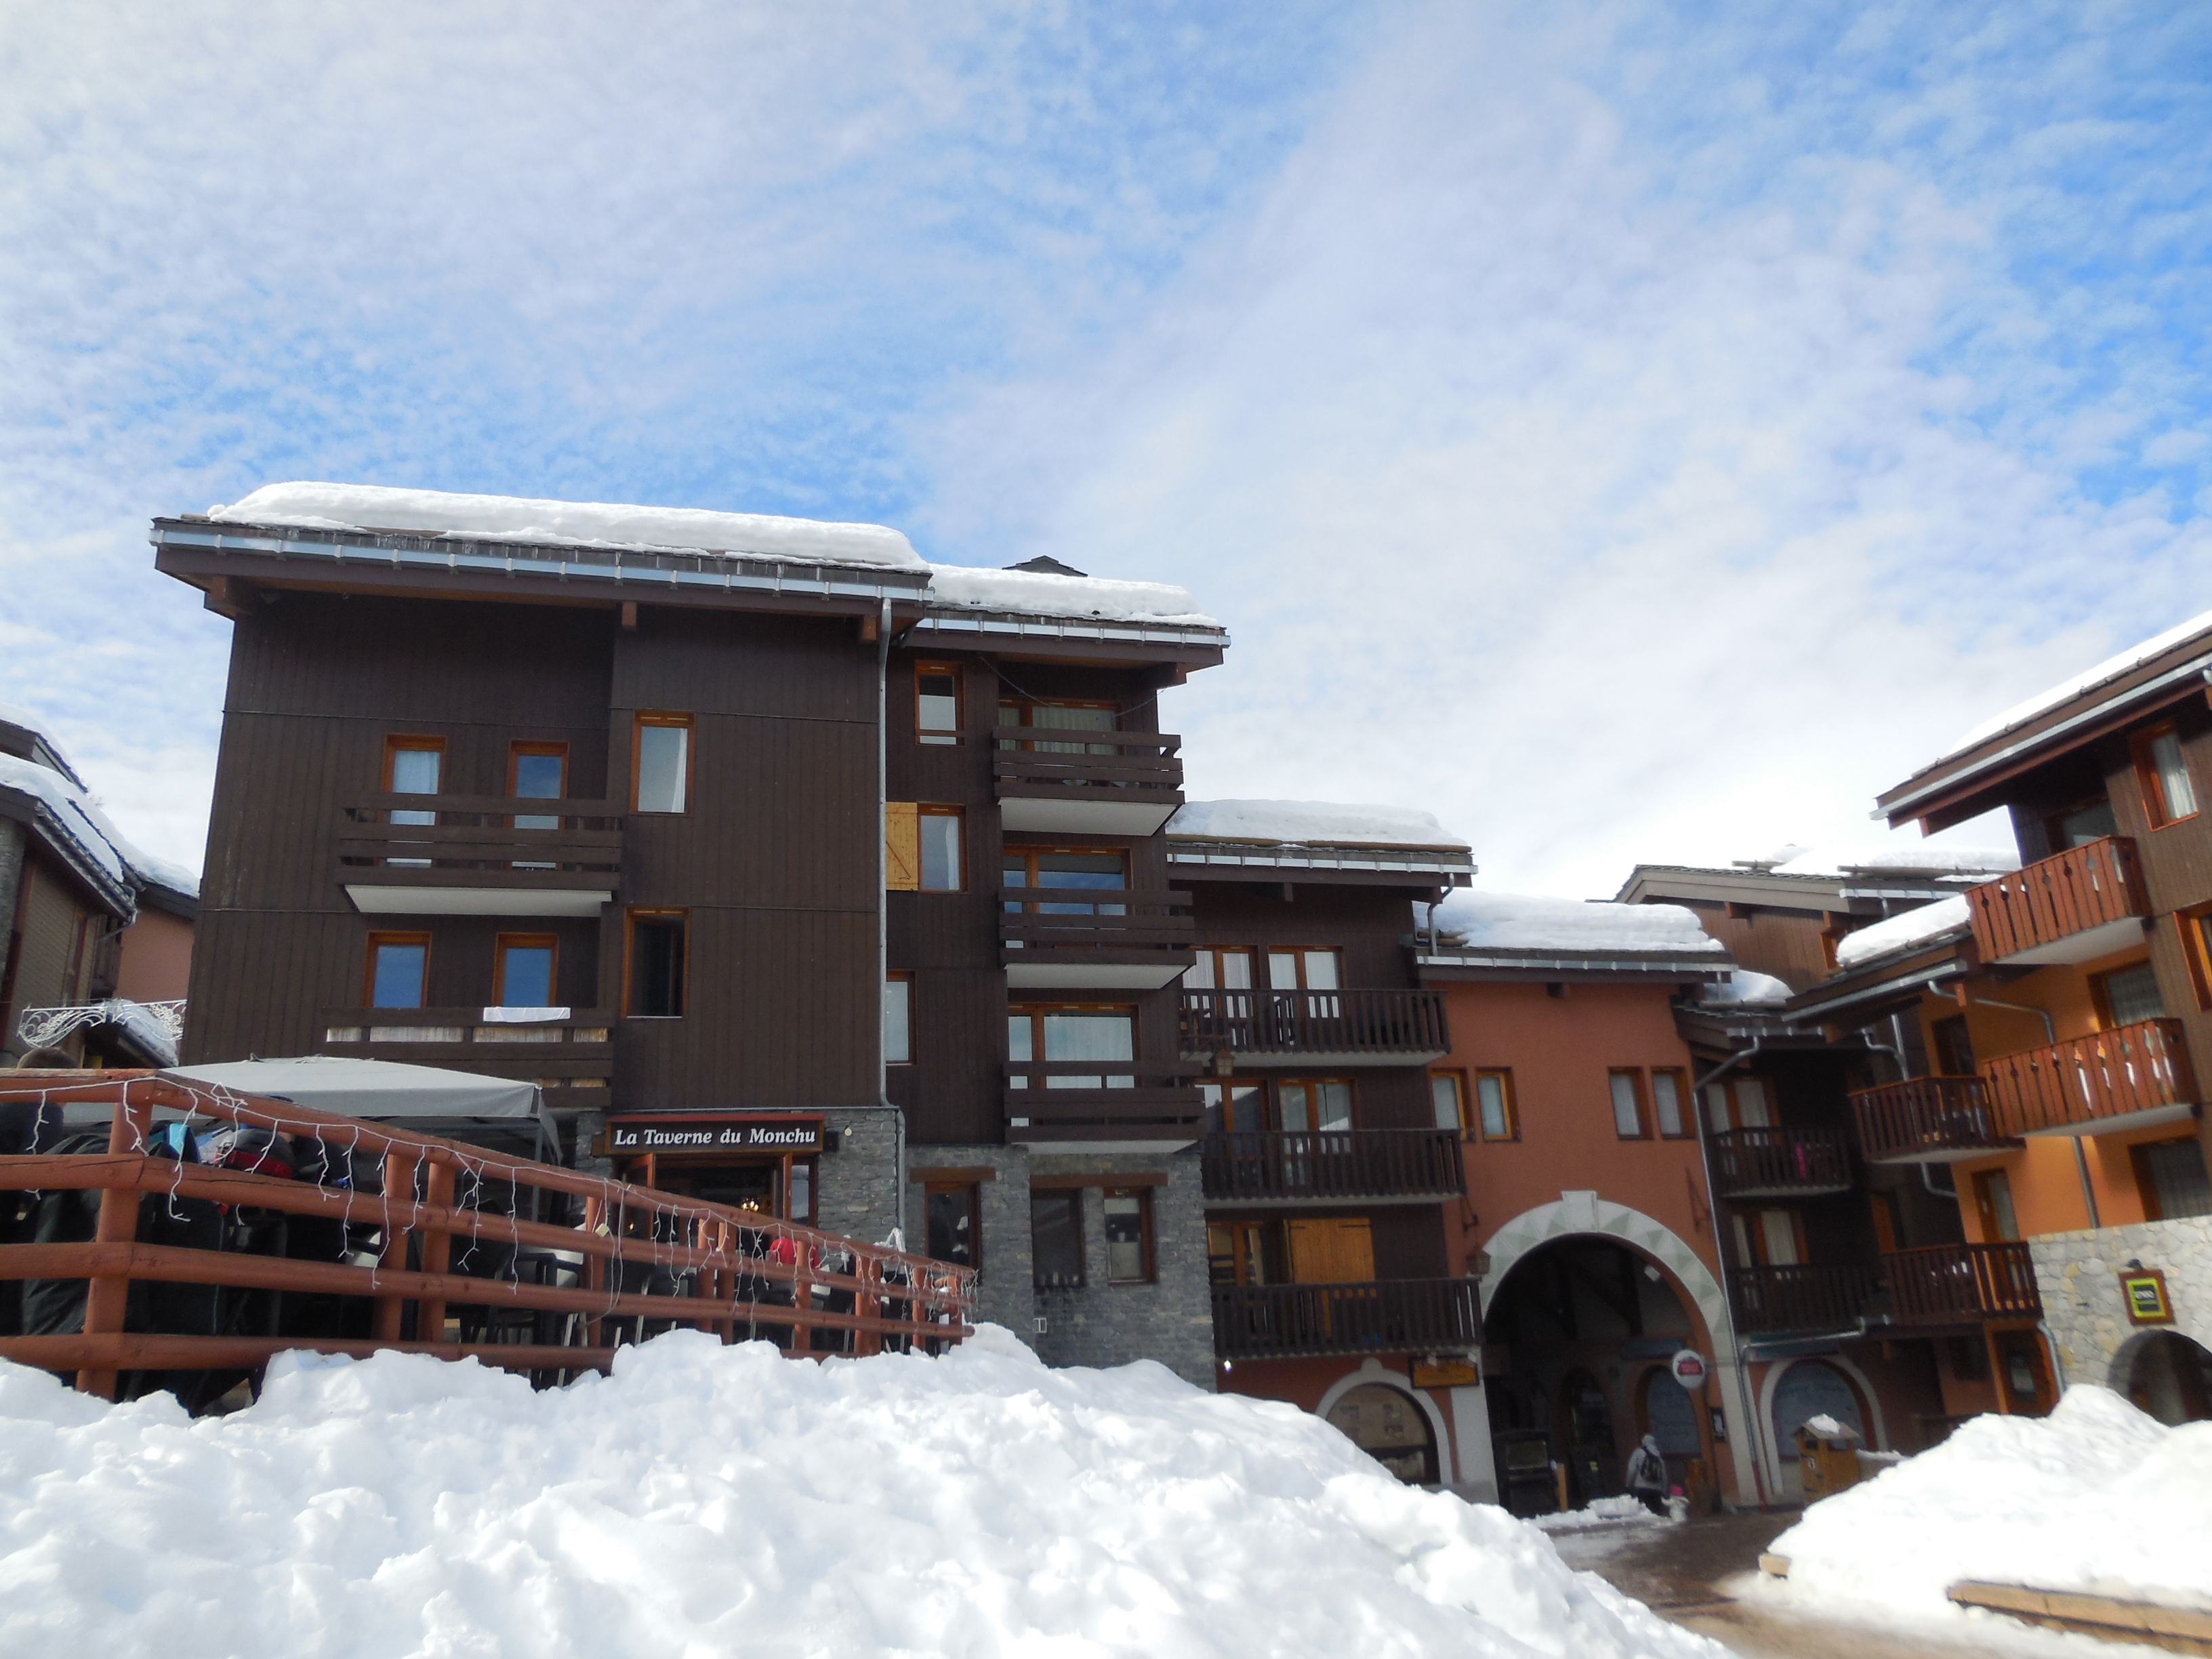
<point>2144,1291</point>
<point>1446,1373</point>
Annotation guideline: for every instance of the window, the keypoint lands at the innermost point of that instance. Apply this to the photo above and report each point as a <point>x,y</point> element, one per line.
<point>1219,967</point>
<point>1056,1238</point>
<point>1244,1252</point>
<point>1738,1105</point>
<point>2080,824</point>
<point>1129,1235</point>
<point>1084,870</point>
<point>1448,1094</point>
<point>2171,1178</point>
<point>1494,1106</point>
<point>1234,1107</point>
<point>1954,1047</point>
<point>413,766</point>
<point>937,702</point>
<point>538,771</point>
<point>898,1020</point>
<point>653,971</point>
<point>2169,795</point>
<point>952,1217</point>
<point>1102,1036</point>
<point>1302,971</point>
<point>1993,1200</point>
<point>1303,1104</point>
<point>523,975</point>
<point>2126,995</point>
<point>1627,1087</point>
<point>1767,1238</point>
<point>661,780</point>
<point>399,970</point>
<point>1059,716</point>
<point>943,869</point>
<point>1669,1089</point>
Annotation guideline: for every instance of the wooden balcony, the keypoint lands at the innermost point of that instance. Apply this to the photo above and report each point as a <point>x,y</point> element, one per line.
<point>1381,1166</point>
<point>1928,1119</point>
<point>1780,1163</point>
<point>1078,937</point>
<point>1962,1284</point>
<point>471,860</point>
<point>1823,1295</point>
<point>1092,1106</point>
<point>2133,1076</point>
<point>2087,901</point>
<point>1324,1028</point>
<point>1389,1315</point>
<point>1112,783</point>
<point>573,1059</point>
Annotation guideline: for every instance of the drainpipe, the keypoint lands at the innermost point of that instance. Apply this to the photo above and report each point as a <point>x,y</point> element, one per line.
<point>2080,1158</point>
<point>1757,1451</point>
<point>884,916</point>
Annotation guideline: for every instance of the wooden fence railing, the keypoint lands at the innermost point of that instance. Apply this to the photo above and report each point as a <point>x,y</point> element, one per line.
<point>1045,920</point>
<point>1333,1164</point>
<point>1379,1022</point>
<point>2054,898</point>
<point>1926,1119</point>
<point>1388,1315</point>
<point>1823,1295</point>
<point>1779,1163</point>
<point>1089,1100</point>
<point>497,841</point>
<point>1044,762</point>
<point>386,1238</point>
<point>1959,1284</point>
<point>2086,1080</point>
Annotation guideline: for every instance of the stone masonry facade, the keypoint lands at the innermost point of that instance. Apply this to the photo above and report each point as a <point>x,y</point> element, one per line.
<point>2078,1274</point>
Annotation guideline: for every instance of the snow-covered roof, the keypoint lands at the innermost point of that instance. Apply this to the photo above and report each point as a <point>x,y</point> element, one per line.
<point>1528,921</point>
<point>576,523</point>
<point>1901,933</point>
<point>1296,822</point>
<point>2077,685</point>
<point>37,725</point>
<point>1744,989</point>
<point>104,855</point>
<point>1906,860</point>
<point>1042,593</point>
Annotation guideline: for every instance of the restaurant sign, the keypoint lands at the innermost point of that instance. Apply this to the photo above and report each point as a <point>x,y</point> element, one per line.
<point>2144,1289</point>
<point>717,1131</point>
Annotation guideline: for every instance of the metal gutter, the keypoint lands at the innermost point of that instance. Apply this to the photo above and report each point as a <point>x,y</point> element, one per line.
<point>1670,967</point>
<point>1022,625</point>
<point>1300,856</point>
<point>1925,977</point>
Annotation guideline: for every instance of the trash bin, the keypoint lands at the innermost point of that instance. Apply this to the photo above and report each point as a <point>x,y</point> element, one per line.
<point>1827,1457</point>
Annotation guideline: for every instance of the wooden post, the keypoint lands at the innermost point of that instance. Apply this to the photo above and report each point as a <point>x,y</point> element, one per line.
<point>106,1300</point>
<point>802,1294</point>
<point>437,1248</point>
<point>398,1185</point>
<point>865,1268</point>
<point>595,1266</point>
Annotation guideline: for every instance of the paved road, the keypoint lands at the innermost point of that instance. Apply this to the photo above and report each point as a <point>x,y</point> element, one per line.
<point>1680,1571</point>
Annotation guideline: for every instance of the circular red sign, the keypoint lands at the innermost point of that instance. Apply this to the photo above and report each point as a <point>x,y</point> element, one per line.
<point>1689,1368</point>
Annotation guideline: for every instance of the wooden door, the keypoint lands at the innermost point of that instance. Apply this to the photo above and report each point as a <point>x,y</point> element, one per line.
<point>1331,1250</point>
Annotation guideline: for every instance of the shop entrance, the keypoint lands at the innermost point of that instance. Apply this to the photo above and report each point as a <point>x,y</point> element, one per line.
<point>750,1161</point>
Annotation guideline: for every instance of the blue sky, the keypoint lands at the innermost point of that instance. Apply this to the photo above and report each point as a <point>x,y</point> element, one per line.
<point>1630,431</point>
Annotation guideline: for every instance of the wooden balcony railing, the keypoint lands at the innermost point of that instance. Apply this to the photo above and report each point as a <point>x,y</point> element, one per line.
<point>1826,1296</point>
<point>476,841</point>
<point>1959,1284</point>
<point>1780,1163</point>
<point>2077,891</point>
<point>1928,1119</point>
<point>2112,1079</point>
<point>1042,762</point>
<point>1332,1164</point>
<point>1092,924</point>
<point>1090,1100</point>
<point>1398,1027</point>
<point>572,1059</point>
<point>1389,1315</point>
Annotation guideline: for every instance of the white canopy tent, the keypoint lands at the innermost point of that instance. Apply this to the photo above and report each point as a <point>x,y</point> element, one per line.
<point>421,1096</point>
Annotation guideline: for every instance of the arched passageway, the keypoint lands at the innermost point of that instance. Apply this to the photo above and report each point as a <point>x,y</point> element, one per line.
<point>2166,1374</point>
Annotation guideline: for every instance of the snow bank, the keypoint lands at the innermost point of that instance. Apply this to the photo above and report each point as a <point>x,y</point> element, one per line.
<point>1520,921</point>
<point>1042,594</point>
<point>1329,823</point>
<point>2097,1496</point>
<point>1914,927</point>
<point>1745,989</point>
<point>581,523</point>
<point>2111,669</point>
<point>708,1499</point>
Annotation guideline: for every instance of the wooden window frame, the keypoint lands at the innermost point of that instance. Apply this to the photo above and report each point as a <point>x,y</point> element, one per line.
<point>1504,1076</point>
<point>399,742</point>
<point>377,941</point>
<point>1212,955</point>
<point>974,1191</point>
<point>933,737</point>
<point>1684,1107</point>
<point>1035,1012</point>
<point>1027,853</point>
<point>630,918</point>
<point>1143,1194</point>
<point>502,943</point>
<point>2196,950</point>
<point>517,751</point>
<point>1072,1197</point>
<point>2101,991</point>
<point>929,809</point>
<point>1457,1078</point>
<point>1241,1231</point>
<point>1634,1074</point>
<point>1263,967</point>
<point>903,976</point>
<point>1029,705</point>
<point>1276,1084</point>
<point>2156,808</point>
<point>638,721</point>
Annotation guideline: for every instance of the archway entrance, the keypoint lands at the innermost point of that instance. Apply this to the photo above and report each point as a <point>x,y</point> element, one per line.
<point>2170,1377</point>
<point>1390,1428</point>
<point>1807,1389</point>
<point>1579,1322</point>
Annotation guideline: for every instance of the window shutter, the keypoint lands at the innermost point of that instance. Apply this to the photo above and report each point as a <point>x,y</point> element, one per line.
<point>902,846</point>
<point>1332,1251</point>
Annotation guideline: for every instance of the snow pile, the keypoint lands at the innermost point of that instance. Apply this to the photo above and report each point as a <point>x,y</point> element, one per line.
<point>2111,669</point>
<point>1519,921</point>
<point>1744,989</point>
<point>1899,932</point>
<point>574,524</point>
<point>1906,860</point>
<point>35,724</point>
<point>2097,1496</point>
<point>1042,594</point>
<point>1328,823</point>
<point>706,1499</point>
<point>1623,1510</point>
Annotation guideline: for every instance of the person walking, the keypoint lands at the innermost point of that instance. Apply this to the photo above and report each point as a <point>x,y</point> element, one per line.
<point>1647,1475</point>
